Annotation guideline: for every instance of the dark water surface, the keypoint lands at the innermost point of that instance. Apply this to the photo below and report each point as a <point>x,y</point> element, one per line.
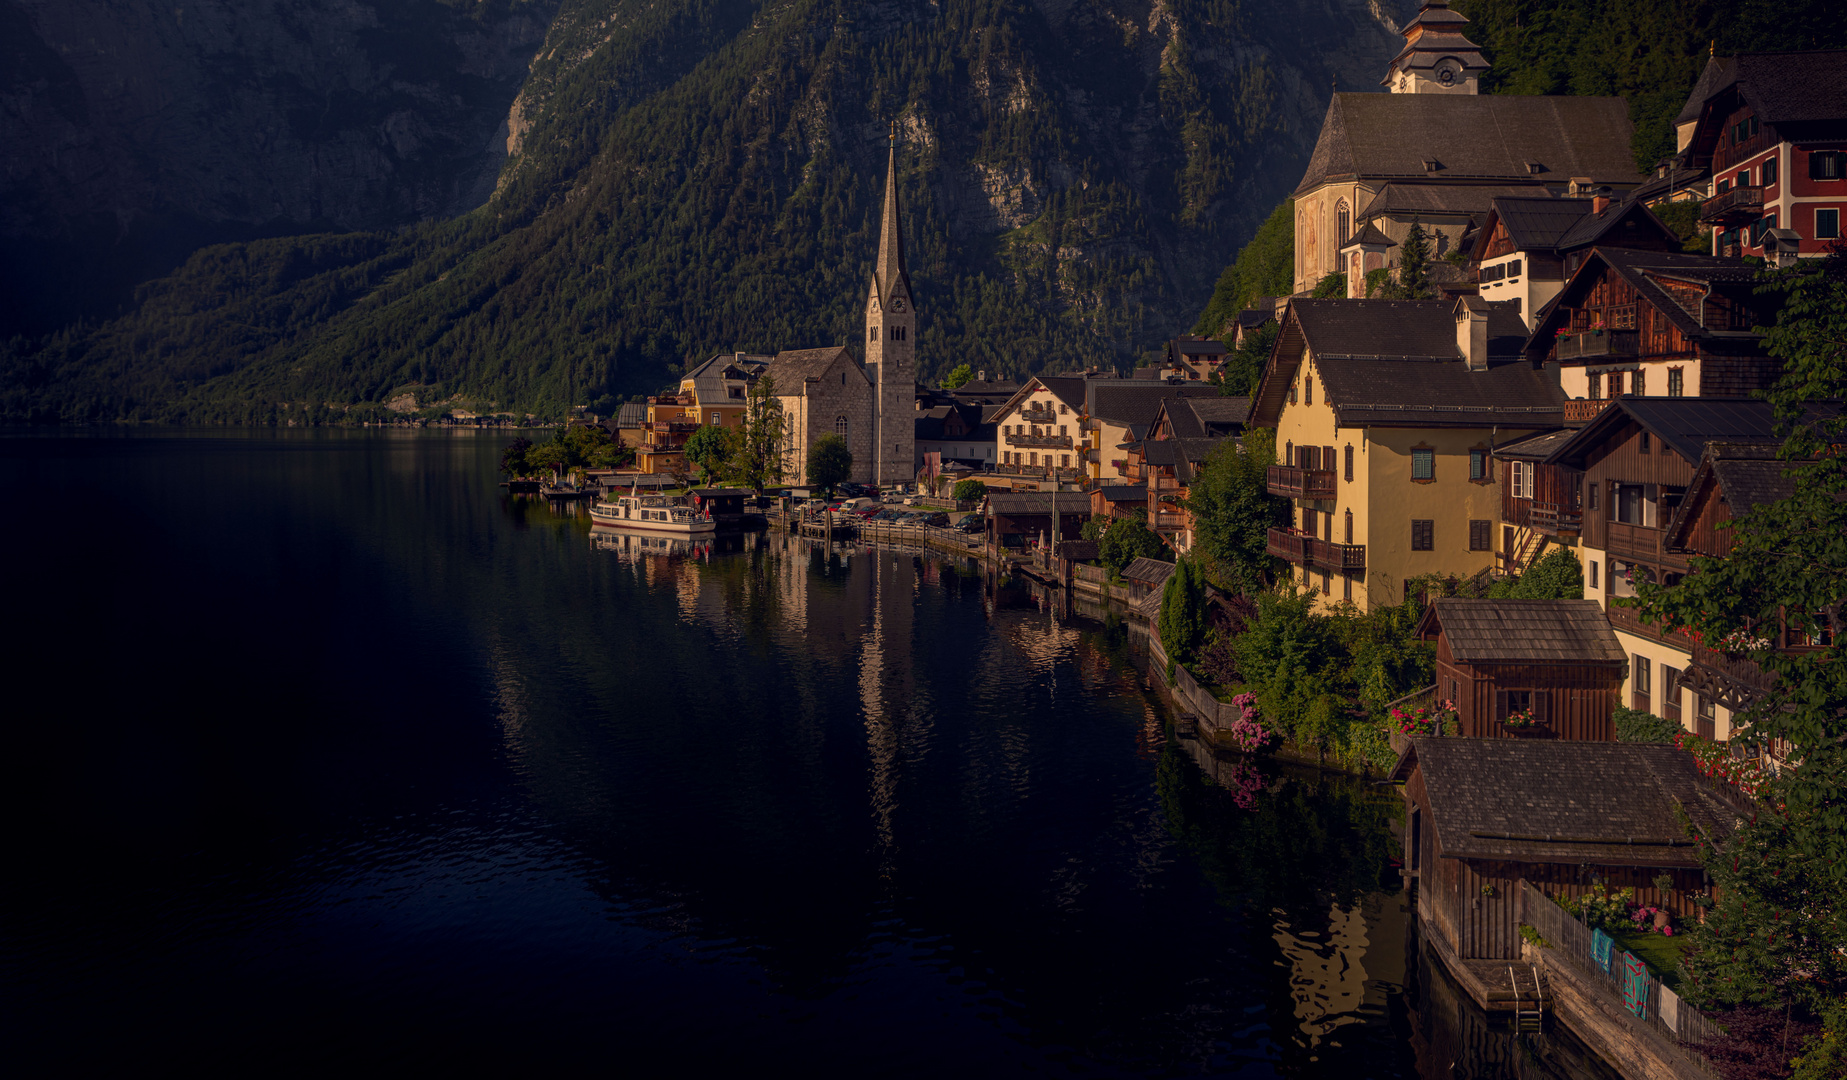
<point>324,752</point>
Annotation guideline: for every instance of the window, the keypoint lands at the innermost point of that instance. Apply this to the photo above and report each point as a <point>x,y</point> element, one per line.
<point>897,333</point>
<point>1326,589</point>
<point>1423,535</point>
<point>1826,165</point>
<point>1064,460</point>
<point>1513,268</point>
<point>1061,431</point>
<point>1521,479</point>
<point>840,426</point>
<point>1676,382</point>
<point>1478,464</point>
<point>1423,463</point>
<point>872,333</point>
<point>1643,443</point>
<point>1481,535</point>
<point>1770,172</point>
<point>1344,221</point>
<point>1593,573</point>
<point>1639,674</point>
<point>1706,727</point>
<point>1327,459</point>
<point>713,419</point>
<point>1349,463</point>
<point>1637,382</point>
<point>1827,224</point>
<point>1292,393</point>
<point>1615,380</point>
<point>1308,390</point>
<point>1308,521</point>
<point>1670,693</point>
<point>1537,702</point>
<point>1764,224</point>
<point>1744,178</point>
<point>1035,459</point>
<point>1346,585</point>
<point>1595,383</point>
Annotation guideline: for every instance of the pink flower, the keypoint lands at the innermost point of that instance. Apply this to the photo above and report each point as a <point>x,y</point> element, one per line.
<point>1668,930</point>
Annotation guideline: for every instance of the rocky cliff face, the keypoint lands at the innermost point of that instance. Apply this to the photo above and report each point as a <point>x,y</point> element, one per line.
<point>133,131</point>
<point>681,177</point>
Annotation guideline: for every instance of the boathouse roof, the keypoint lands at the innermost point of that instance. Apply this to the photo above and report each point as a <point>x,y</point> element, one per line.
<point>1523,631</point>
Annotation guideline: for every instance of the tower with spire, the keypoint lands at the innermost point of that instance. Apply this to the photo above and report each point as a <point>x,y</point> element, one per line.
<point>891,342</point>
<point>1436,59</point>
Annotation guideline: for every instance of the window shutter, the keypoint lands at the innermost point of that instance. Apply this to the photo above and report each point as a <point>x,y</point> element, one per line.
<point>1349,463</point>
<point>1542,706</point>
<point>1327,458</point>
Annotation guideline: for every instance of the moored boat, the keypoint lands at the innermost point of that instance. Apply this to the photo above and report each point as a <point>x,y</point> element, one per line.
<point>651,513</point>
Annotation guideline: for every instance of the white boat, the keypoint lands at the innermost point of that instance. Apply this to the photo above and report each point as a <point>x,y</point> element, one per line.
<point>651,513</point>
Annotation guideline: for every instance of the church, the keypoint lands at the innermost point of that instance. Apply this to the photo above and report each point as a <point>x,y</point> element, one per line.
<point>871,404</point>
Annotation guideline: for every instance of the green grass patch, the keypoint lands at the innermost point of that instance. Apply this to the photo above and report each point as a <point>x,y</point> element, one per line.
<point>1660,952</point>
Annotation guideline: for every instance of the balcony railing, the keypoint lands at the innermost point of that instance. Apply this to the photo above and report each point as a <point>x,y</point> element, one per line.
<point>1595,343</point>
<point>1057,442</point>
<point>1287,545</point>
<point>1037,471</point>
<point>1038,416</point>
<point>1174,522</point>
<point>1738,205</point>
<point>1556,519</point>
<point>1579,413</point>
<point>1737,669</point>
<point>1293,483</point>
<point>1166,483</point>
<point>1327,555</point>
<point>671,427</point>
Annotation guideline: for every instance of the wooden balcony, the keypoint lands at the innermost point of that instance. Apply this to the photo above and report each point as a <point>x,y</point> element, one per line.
<point>1556,519</point>
<point>1038,416</point>
<point>1738,206</point>
<point>1043,472</point>
<point>1167,522</point>
<point>1293,483</point>
<point>1056,442</point>
<point>1327,555</point>
<point>1598,344</point>
<point>1579,413</point>
<point>1286,544</point>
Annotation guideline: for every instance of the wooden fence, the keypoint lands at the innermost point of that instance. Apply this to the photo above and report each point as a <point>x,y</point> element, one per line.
<point>1571,944</point>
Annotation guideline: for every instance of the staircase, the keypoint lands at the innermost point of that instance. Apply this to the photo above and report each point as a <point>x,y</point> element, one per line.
<point>1528,543</point>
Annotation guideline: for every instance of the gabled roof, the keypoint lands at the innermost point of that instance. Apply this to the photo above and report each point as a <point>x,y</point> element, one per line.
<point>793,367</point>
<point>1745,475</point>
<point>1369,236</point>
<point>1252,318</point>
<point>1017,503</point>
<point>1472,137</point>
<point>1146,571</point>
<point>1554,801</point>
<point>1523,631</point>
<point>1685,424</point>
<point>1196,346</point>
<point>1647,271</point>
<point>1534,447</point>
<point>1124,403</point>
<point>1622,223</point>
<point>1535,223</point>
<point>1792,90</point>
<point>1395,363</point>
<point>1122,492</point>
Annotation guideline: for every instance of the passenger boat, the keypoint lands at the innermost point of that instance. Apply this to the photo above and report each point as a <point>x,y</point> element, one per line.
<point>651,513</point>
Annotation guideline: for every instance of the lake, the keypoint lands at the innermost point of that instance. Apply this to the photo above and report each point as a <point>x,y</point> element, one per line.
<point>324,751</point>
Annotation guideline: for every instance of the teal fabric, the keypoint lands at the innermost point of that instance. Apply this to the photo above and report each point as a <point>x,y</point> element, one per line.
<point>1600,948</point>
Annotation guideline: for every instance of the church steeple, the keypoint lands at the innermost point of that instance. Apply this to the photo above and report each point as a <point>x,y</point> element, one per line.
<point>891,347</point>
<point>1436,58</point>
<point>890,277</point>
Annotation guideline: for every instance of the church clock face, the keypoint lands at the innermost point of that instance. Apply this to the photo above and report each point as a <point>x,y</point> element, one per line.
<point>1447,72</point>
<point>897,305</point>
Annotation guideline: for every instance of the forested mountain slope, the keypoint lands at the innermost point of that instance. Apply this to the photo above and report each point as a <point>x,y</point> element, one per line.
<point>698,175</point>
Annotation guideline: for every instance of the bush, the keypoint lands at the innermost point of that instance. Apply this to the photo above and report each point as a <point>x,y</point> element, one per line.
<point>1126,540</point>
<point>969,491</point>
<point>1558,576</point>
<point>1183,612</point>
<point>1635,726</point>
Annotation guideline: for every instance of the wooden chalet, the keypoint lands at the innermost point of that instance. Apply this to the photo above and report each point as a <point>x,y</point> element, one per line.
<point>1637,459</point>
<point>1019,519</point>
<point>1496,658</point>
<point>1526,241</point>
<point>1654,323</point>
<point>1117,500</point>
<point>1541,503</point>
<point>1198,358</point>
<point>1485,814</point>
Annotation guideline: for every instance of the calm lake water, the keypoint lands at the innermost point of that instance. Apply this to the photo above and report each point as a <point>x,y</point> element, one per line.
<point>323,751</point>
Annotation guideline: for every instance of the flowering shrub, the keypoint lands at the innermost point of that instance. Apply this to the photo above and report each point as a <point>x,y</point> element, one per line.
<point>1601,908</point>
<point>1425,719</point>
<point>1519,718</point>
<point>1715,760</point>
<point>1247,732</point>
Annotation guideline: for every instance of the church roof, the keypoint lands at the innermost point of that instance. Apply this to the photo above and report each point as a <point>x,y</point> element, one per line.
<point>1414,198</point>
<point>792,368</point>
<point>890,276</point>
<point>1510,138</point>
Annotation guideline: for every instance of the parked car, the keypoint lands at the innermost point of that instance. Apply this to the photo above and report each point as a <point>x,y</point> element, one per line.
<point>888,514</point>
<point>972,523</point>
<point>937,520</point>
<point>869,511</point>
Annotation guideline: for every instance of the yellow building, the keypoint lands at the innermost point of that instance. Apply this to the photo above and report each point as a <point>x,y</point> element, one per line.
<point>1386,415</point>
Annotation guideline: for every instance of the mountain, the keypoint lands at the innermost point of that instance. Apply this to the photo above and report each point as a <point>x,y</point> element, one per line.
<point>135,133</point>
<point>683,177</point>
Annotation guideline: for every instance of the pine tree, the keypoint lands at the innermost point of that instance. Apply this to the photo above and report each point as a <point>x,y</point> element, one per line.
<point>1183,612</point>
<point>1414,266</point>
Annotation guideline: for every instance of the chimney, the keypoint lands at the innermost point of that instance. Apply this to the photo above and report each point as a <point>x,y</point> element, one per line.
<point>1600,201</point>
<point>1472,331</point>
<point>981,376</point>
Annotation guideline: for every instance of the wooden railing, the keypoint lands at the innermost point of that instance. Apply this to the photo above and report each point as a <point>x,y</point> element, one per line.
<point>1040,471</point>
<point>1056,441</point>
<point>1570,945</point>
<point>1293,483</point>
<point>1738,204</point>
<point>1598,343</point>
<point>1168,521</point>
<point>1331,556</point>
<point>1286,544</point>
<point>1039,416</point>
<point>1738,669</point>
<point>1579,413</point>
<point>1555,519</point>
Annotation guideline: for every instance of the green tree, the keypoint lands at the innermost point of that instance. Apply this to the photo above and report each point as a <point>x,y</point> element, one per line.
<point>960,375</point>
<point>758,458</point>
<point>1233,512</point>
<point>1264,267</point>
<point>1413,268</point>
<point>970,490</point>
<point>513,458</point>
<point>829,463</point>
<point>1778,933</point>
<point>1183,612</point>
<point>1128,539</point>
<point>1330,287</point>
<point>1558,576</point>
<point>1239,374</point>
<point>710,450</point>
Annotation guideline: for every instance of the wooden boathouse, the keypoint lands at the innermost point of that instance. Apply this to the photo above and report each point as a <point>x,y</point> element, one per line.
<point>1556,661</point>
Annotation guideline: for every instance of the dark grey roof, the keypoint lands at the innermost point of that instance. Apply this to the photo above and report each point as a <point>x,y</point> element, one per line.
<point>793,367</point>
<point>1526,631</point>
<point>632,415</point>
<point>1194,346</point>
<point>1126,404</point>
<point>710,389</point>
<point>1621,223</point>
<point>1748,474</point>
<point>1396,329</point>
<point>1148,571</point>
<point>1645,271</point>
<point>1369,234</point>
<point>1220,410</point>
<point>1122,492</point>
<point>1535,223</point>
<point>1015,503</point>
<point>1790,88</point>
<point>1686,424</point>
<point>1474,137</point>
<point>1604,803</point>
<point>1252,318</point>
<point>1067,388</point>
<point>1534,447</point>
<point>1403,198</point>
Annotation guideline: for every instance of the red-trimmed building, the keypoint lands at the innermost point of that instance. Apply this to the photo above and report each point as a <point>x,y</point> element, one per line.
<point>1772,130</point>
